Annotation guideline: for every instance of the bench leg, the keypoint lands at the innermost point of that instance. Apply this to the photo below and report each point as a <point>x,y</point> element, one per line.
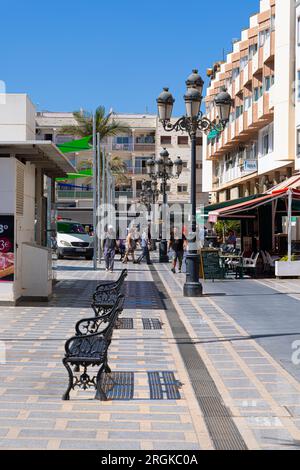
<point>66,395</point>
<point>100,394</point>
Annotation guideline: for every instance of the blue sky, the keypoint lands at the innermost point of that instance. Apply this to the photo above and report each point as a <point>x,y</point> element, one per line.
<point>120,53</point>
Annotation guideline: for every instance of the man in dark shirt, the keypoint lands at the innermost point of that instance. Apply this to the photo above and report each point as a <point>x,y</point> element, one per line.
<point>109,247</point>
<point>177,244</point>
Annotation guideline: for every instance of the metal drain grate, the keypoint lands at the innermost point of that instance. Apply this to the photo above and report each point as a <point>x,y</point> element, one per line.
<point>124,324</point>
<point>151,324</point>
<point>220,424</point>
<point>118,385</point>
<point>163,385</point>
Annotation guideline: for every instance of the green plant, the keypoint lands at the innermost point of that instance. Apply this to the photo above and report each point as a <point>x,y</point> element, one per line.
<point>286,258</point>
<point>106,126</point>
<point>223,228</point>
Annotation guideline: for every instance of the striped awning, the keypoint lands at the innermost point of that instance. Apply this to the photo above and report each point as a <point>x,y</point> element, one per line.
<point>291,183</point>
<point>239,208</point>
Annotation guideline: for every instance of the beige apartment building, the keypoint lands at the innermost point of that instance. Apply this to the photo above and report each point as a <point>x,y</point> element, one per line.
<point>145,139</point>
<point>257,148</point>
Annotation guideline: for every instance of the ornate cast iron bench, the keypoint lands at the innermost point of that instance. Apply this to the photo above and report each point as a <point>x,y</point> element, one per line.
<point>90,350</point>
<point>106,295</point>
<point>118,283</point>
<point>92,324</point>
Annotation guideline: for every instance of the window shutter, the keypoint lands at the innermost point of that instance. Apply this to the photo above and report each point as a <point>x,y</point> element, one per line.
<point>20,177</point>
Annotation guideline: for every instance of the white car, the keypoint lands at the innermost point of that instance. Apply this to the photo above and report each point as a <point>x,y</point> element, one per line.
<point>73,240</point>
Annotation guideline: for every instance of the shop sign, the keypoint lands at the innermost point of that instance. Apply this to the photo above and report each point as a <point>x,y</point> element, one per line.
<point>7,255</point>
<point>250,165</point>
<point>213,218</point>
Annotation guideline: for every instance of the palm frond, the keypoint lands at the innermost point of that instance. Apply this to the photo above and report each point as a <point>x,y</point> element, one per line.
<point>105,125</point>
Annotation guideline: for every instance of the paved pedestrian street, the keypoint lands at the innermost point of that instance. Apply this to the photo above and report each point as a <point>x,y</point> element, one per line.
<point>211,373</point>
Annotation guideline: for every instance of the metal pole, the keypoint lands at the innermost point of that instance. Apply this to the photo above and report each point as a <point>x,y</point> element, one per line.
<point>103,183</point>
<point>99,193</point>
<point>163,247</point>
<point>193,287</point>
<point>95,192</point>
<point>290,195</point>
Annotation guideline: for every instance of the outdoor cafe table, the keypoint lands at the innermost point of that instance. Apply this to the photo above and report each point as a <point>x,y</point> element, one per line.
<point>231,257</point>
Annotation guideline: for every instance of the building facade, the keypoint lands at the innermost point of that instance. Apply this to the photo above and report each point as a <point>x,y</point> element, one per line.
<point>257,148</point>
<point>146,138</point>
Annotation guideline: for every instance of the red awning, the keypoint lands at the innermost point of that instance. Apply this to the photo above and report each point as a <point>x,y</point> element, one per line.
<point>291,183</point>
<point>253,204</point>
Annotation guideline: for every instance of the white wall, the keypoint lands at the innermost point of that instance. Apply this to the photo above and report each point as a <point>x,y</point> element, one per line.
<point>24,225</point>
<point>297,85</point>
<point>17,118</point>
<point>284,111</point>
<point>207,171</point>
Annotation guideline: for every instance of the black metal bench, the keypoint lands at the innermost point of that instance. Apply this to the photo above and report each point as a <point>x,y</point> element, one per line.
<point>92,324</point>
<point>118,283</point>
<point>105,295</point>
<point>85,350</point>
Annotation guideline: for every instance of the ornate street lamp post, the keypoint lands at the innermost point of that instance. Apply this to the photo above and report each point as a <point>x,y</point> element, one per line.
<point>148,197</point>
<point>191,123</point>
<point>162,169</point>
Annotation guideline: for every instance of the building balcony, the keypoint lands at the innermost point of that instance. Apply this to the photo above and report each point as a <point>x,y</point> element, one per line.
<point>237,84</point>
<point>128,194</point>
<point>122,147</point>
<point>134,147</point>
<point>144,147</point>
<point>271,97</point>
<point>73,195</point>
<point>247,74</point>
<point>263,108</point>
<point>257,62</point>
<point>240,124</point>
<point>268,49</point>
<point>249,114</point>
<point>232,130</point>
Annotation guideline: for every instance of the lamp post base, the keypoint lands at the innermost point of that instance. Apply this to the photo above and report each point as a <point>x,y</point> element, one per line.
<point>163,252</point>
<point>192,286</point>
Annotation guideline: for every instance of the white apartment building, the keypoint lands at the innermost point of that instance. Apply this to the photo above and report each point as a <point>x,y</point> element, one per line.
<point>297,82</point>
<point>146,139</point>
<point>257,149</point>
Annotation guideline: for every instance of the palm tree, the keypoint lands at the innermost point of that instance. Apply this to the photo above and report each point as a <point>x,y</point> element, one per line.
<point>106,126</point>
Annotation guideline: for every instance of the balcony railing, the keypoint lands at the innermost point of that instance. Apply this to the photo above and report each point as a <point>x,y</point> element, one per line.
<point>128,194</point>
<point>61,194</point>
<point>134,147</point>
<point>122,147</point>
<point>66,194</point>
<point>144,147</point>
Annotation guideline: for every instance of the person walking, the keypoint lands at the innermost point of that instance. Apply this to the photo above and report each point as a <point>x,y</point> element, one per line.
<point>145,240</point>
<point>109,248</point>
<point>130,246</point>
<point>177,244</point>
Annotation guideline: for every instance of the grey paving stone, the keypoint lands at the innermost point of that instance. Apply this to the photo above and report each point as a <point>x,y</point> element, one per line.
<point>96,445</point>
<point>23,444</point>
<point>105,425</point>
<point>175,446</point>
<point>183,427</point>
<point>57,434</point>
<point>149,436</point>
<point>278,437</point>
<point>245,393</point>
<point>145,417</point>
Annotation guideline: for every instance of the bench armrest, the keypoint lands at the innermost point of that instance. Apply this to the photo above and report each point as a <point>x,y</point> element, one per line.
<point>92,324</point>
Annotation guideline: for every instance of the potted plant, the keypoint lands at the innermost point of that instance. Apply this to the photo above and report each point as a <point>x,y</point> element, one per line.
<point>286,268</point>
